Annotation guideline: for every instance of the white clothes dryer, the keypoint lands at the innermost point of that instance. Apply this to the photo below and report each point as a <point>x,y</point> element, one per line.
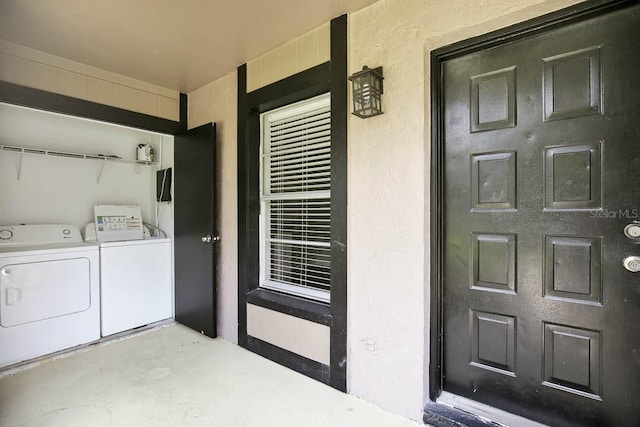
<point>49,291</point>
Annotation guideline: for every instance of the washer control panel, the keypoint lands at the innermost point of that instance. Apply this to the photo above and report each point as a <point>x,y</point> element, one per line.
<point>39,234</point>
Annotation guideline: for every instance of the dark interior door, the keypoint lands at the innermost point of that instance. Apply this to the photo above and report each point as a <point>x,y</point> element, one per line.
<point>542,168</point>
<point>194,229</point>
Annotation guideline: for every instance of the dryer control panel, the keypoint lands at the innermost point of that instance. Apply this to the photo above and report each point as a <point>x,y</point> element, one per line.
<point>39,234</point>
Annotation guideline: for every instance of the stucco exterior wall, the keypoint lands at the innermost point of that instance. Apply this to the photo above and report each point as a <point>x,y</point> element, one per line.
<point>217,102</point>
<point>388,277</point>
<point>388,241</point>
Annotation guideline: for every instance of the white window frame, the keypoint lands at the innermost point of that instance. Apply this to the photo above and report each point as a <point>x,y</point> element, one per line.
<point>283,112</point>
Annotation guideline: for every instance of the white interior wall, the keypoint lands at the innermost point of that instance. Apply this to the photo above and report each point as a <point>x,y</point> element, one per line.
<point>388,240</point>
<point>63,190</point>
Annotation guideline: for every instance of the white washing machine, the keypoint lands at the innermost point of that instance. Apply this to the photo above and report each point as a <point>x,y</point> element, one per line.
<point>49,291</point>
<point>136,273</point>
<point>135,283</point>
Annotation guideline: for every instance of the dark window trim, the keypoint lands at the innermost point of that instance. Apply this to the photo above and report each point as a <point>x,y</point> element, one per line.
<point>582,11</point>
<point>244,231</point>
<point>24,96</point>
<point>308,83</point>
<point>304,85</point>
<point>308,367</point>
<point>339,118</point>
<point>312,311</point>
<point>327,77</point>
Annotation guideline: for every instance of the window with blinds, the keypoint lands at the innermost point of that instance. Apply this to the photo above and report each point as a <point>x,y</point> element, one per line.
<point>295,199</point>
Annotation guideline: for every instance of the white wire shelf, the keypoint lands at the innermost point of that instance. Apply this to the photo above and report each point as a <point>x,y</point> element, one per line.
<point>57,153</point>
<point>99,157</point>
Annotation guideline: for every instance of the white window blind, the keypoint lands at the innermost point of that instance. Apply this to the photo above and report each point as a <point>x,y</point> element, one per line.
<point>295,198</point>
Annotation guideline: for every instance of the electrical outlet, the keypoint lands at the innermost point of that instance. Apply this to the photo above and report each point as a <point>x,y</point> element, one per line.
<point>369,344</point>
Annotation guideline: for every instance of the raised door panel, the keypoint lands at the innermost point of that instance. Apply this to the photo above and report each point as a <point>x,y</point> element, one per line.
<point>540,150</point>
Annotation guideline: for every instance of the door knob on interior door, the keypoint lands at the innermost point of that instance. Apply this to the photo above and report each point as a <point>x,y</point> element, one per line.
<point>632,263</point>
<point>206,239</point>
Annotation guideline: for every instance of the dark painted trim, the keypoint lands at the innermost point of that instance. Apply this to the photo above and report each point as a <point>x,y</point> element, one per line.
<point>327,77</point>
<point>287,304</point>
<point>573,14</point>
<point>437,226</point>
<point>301,364</point>
<point>273,96</point>
<point>48,101</point>
<point>184,119</point>
<point>541,24</point>
<point>252,157</point>
<point>339,118</point>
<point>250,105</point>
<point>303,85</point>
<point>242,205</point>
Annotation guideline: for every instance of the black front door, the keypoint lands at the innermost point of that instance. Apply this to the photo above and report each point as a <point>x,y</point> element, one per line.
<point>194,225</point>
<point>541,177</point>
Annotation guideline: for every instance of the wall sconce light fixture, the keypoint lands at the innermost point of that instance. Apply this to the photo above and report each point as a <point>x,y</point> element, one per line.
<point>367,92</point>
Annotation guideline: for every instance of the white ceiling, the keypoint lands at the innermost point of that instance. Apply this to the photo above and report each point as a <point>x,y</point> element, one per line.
<point>177,44</point>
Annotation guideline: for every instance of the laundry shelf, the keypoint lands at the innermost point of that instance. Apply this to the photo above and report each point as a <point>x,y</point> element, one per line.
<point>100,157</point>
<point>73,155</point>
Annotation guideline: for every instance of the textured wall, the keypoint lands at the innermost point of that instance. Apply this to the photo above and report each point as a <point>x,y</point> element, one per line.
<point>388,286</point>
<point>388,189</point>
<point>217,102</point>
<point>301,53</point>
<point>32,68</point>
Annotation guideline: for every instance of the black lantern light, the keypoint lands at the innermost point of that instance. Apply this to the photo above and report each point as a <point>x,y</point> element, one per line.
<point>367,92</point>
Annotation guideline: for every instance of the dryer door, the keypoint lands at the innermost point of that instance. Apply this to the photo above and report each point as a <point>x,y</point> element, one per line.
<point>30,292</point>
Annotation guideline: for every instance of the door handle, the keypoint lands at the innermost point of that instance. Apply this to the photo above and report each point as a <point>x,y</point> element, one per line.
<point>14,295</point>
<point>208,239</point>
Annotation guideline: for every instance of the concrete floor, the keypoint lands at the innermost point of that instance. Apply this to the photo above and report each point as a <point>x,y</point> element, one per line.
<point>173,376</point>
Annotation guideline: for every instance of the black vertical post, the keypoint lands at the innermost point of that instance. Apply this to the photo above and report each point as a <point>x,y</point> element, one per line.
<point>338,364</point>
<point>184,123</point>
<point>243,234</point>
